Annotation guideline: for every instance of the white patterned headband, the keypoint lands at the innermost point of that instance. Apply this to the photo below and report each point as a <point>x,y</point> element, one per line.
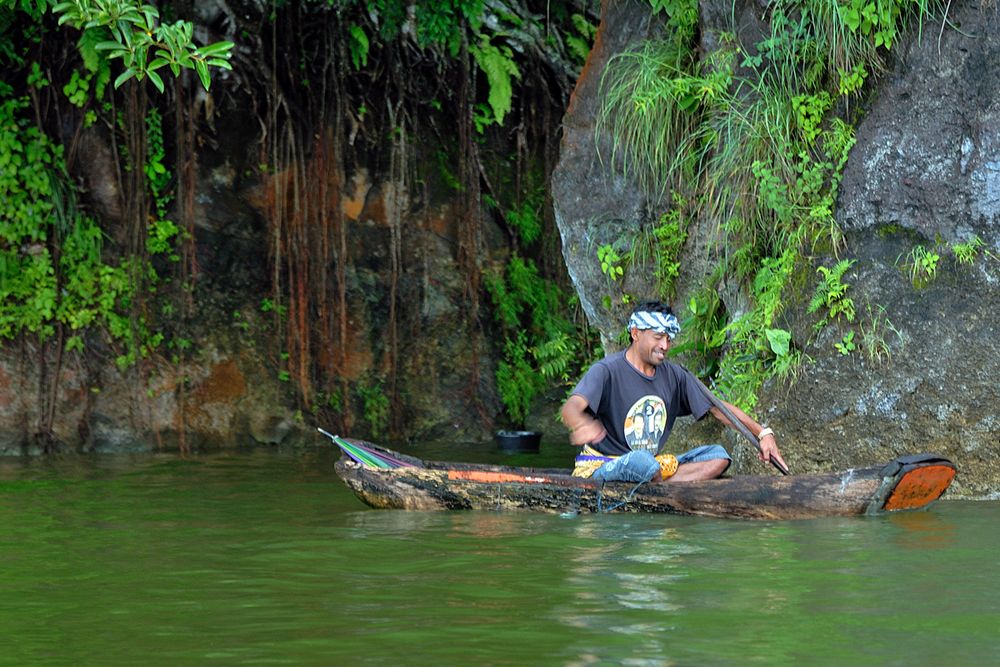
<point>658,322</point>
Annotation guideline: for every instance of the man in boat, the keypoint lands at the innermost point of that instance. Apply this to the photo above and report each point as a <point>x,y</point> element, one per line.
<point>622,410</point>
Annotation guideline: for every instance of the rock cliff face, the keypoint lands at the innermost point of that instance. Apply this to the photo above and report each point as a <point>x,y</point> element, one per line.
<point>345,201</point>
<point>924,172</point>
<point>227,392</point>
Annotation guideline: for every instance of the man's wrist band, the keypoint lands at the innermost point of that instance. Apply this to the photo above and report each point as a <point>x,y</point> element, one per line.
<point>763,432</point>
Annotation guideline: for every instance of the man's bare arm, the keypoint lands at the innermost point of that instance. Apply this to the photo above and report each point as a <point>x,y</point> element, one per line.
<point>768,443</point>
<point>583,427</point>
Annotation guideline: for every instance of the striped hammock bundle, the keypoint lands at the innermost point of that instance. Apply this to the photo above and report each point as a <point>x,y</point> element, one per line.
<point>365,455</point>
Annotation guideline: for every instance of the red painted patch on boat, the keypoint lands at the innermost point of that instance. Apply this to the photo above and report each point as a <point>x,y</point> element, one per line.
<point>920,487</point>
<point>492,477</point>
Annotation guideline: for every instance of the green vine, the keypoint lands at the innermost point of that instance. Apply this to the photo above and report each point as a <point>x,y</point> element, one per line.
<point>161,231</point>
<point>55,274</point>
<point>37,214</point>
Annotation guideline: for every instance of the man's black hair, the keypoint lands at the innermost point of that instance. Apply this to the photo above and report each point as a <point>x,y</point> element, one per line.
<point>654,307</point>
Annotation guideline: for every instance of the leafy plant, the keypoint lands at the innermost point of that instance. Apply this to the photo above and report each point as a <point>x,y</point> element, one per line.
<point>498,64</point>
<point>683,17</point>
<point>872,17</point>
<point>579,43</point>
<point>142,43</point>
<point>526,218</point>
<point>375,407</point>
<point>846,344</point>
<point>610,262</point>
<point>873,331</point>
<point>923,265</point>
<point>660,245</point>
<point>37,212</point>
<point>358,46</point>
<point>831,294</point>
<point>966,253</point>
<point>809,112</point>
<point>779,340</point>
<point>161,230</point>
<point>851,81</point>
<point>540,343</point>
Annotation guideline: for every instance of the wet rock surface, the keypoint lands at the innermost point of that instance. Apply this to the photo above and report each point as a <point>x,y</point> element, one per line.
<point>925,171</point>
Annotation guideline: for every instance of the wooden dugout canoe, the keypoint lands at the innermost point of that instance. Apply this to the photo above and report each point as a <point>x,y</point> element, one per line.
<point>906,483</point>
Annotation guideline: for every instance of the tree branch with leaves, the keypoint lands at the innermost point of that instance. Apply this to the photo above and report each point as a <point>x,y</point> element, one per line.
<point>143,43</point>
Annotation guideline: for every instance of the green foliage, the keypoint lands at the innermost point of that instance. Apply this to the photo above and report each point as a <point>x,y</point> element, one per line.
<point>36,78</point>
<point>498,64</point>
<point>670,237</point>
<point>38,213</point>
<point>923,265</point>
<point>161,231</point>
<point>518,381</point>
<point>873,330</point>
<point>440,22</point>
<point>780,341</point>
<point>540,343</point>
<point>809,112</point>
<point>579,43</point>
<point>966,253</point>
<point>653,110</point>
<point>143,44</point>
<point>703,332</point>
<point>846,344</point>
<point>358,46</point>
<point>877,18</point>
<point>682,18</point>
<point>375,407</point>
<point>28,289</point>
<point>660,246</point>
<point>831,294</point>
<point>851,81</point>
<point>610,262</point>
<point>757,349</point>
<point>526,219</point>
<point>497,37</point>
<point>93,61</point>
<point>26,156</point>
<point>762,154</point>
<point>77,91</point>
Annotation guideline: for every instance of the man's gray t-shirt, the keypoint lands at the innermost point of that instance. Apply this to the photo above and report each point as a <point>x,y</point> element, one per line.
<point>638,411</point>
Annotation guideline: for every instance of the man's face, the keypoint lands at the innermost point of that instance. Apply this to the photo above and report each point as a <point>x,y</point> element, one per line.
<point>651,346</point>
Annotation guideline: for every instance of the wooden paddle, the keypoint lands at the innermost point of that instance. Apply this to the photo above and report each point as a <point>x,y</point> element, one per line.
<point>737,424</point>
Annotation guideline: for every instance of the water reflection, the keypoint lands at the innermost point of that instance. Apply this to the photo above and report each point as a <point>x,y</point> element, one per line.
<point>923,530</point>
<point>268,558</point>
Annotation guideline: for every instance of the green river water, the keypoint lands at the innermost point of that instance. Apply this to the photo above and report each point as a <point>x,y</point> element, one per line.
<point>264,557</point>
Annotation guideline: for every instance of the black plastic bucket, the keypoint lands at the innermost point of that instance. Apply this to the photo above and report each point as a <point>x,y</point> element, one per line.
<point>518,442</point>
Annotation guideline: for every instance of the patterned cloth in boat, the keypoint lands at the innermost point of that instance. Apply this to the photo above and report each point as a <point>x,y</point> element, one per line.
<point>590,460</point>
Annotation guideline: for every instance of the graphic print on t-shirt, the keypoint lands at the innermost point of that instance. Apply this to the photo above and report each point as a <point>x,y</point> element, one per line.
<point>644,423</point>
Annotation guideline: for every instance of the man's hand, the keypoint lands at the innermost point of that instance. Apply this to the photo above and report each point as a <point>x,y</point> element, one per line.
<point>584,429</point>
<point>589,432</point>
<point>769,450</point>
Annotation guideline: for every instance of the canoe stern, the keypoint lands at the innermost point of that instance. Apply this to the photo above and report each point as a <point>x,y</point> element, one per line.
<point>920,487</point>
<point>912,482</point>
